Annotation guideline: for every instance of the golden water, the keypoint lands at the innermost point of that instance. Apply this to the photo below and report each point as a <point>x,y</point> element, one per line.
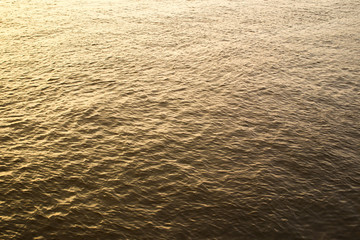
<point>158,119</point>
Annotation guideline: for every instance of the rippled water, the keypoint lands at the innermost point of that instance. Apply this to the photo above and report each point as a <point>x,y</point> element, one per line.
<point>157,119</point>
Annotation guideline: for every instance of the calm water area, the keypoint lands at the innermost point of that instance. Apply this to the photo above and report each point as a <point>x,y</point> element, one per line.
<point>181,119</point>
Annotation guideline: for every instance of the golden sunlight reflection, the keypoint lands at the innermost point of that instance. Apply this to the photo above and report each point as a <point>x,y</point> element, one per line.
<point>157,119</point>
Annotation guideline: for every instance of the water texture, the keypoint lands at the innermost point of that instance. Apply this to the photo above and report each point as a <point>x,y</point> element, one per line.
<point>201,119</point>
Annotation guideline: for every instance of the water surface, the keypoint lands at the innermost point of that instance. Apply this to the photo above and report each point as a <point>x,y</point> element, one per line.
<point>157,119</point>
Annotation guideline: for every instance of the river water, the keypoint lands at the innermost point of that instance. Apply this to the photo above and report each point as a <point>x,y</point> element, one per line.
<point>199,119</point>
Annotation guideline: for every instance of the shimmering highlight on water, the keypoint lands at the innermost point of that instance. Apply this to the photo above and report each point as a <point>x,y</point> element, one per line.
<point>203,119</point>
